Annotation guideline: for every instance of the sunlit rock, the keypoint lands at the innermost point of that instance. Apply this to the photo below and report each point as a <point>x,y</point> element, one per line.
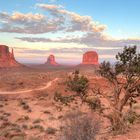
<point>7,58</point>
<point>90,57</point>
<point>51,61</point>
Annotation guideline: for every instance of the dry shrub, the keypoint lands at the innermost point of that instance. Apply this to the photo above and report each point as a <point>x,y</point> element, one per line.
<point>80,126</point>
<point>131,116</point>
<point>121,125</point>
<point>94,102</point>
<point>63,99</point>
<point>118,126</point>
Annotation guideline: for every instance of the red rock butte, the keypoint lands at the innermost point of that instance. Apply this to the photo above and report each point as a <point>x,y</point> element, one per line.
<point>7,58</point>
<point>90,57</point>
<point>51,60</point>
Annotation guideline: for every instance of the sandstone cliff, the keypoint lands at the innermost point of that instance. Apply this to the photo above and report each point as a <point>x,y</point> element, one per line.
<point>90,58</point>
<point>7,58</point>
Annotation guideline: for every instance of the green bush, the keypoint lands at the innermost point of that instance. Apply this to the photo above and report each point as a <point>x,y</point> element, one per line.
<point>78,84</point>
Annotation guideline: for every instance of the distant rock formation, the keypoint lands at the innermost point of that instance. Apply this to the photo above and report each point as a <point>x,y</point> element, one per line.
<point>51,61</point>
<point>7,58</point>
<point>90,57</point>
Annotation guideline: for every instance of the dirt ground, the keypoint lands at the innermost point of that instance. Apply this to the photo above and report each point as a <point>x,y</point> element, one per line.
<point>28,110</point>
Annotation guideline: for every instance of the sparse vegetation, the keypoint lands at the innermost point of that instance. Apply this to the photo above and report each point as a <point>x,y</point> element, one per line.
<point>24,126</point>
<point>11,130</point>
<point>48,119</point>
<point>25,106</point>
<point>47,112</point>
<point>124,77</point>
<point>23,118</point>
<point>51,130</point>
<point>37,121</point>
<point>80,126</point>
<point>1,106</point>
<point>94,102</point>
<point>130,117</point>
<point>78,84</point>
<point>37,126</point>
<point>63,99</point>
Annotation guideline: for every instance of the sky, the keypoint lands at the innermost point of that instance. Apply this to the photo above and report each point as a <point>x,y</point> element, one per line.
<point>68,28</point>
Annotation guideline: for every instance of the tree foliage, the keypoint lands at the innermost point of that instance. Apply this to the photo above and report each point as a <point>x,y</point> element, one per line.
<point>78,83</point>
<point>124,76</point>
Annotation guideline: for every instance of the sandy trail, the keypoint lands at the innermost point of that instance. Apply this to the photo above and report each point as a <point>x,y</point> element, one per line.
<point>30,90</point>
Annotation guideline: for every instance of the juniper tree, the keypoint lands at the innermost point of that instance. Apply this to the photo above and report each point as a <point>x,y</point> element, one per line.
<point>125,78</point>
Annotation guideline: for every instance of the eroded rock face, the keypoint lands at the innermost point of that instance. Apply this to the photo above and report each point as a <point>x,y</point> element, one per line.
<point>90,57</point>
<point>7,58</point>
<point>51,60</point>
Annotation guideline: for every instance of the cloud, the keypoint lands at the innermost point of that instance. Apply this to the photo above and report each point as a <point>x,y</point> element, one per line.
<point>28,23</point>
<point>49,7</point>
<point>90,39</point>
<point>76,21</point>
<point>58,19</point>
<point>63,50</point>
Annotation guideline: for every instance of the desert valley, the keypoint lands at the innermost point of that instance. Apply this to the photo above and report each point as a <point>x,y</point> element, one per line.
<point>37,100</point>
<point>69,70</point>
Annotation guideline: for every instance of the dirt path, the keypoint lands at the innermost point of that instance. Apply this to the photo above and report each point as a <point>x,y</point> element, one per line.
<point>29,90</point>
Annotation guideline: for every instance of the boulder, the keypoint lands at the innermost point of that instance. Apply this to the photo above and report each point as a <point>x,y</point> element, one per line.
<point>90,57</point>
<point>7,58</point>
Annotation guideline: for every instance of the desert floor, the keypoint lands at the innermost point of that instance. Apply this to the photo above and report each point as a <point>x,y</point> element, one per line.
<point>28,110</point>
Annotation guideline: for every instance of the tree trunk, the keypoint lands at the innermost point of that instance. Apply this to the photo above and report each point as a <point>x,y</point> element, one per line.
<point>123,101</point>
<point>116,116</point>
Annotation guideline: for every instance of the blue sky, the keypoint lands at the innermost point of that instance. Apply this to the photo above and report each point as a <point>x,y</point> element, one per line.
<point>101,25</point>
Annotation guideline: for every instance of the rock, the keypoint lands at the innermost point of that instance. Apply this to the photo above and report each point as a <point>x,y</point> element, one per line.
<point>51,61</point>
<point>90,57</point>
<point>7,58</point>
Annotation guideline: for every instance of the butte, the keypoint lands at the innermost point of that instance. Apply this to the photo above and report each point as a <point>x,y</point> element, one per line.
<point>7,58</point>
<point>90,58</point>
<point>51,61</point>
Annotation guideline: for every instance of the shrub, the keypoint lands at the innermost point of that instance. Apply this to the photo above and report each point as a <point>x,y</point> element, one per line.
<point>63,99</point>
<point>23,118</point>
<point>78,84</point>
<point>94,102</point>
<point>47,112</point>
<point>118,126</point>
<point>41,128</point>
<point>37,121</point>
<point>1,105</point>
<point>130,117</point>
<point>80,126</point>
<point>51,130</point>
<point>22,102</point>
<point>25,106</point>
<point>24,126</point>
